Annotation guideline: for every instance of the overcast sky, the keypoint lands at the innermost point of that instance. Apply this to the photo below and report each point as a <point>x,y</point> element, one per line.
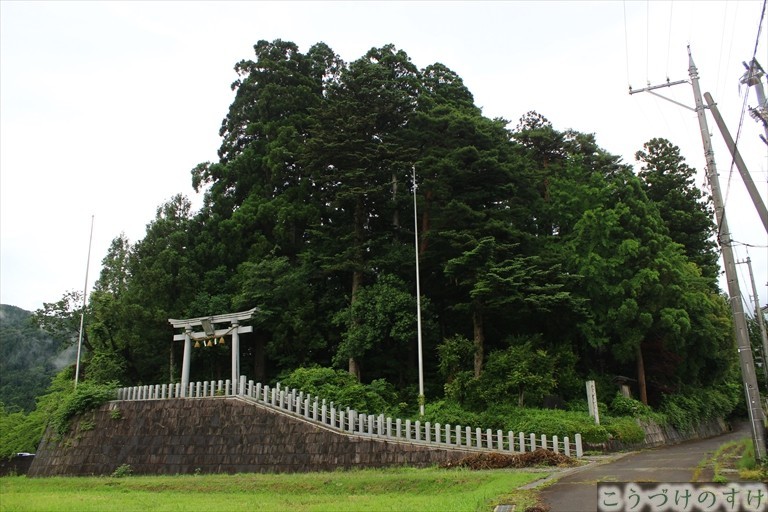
<point>105,107</point>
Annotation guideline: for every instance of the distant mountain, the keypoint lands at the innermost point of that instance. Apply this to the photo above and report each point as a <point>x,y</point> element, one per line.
<point>30,358</point>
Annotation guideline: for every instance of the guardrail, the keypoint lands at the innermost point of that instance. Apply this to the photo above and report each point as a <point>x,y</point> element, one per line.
<point>348,421</point>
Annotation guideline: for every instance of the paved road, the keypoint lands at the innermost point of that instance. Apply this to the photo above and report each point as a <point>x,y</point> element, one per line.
<point>576,491</point>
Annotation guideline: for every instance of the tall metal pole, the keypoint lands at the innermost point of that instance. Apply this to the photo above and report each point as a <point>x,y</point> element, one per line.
<point>418,297</point>
<point>85,300</point>
<point>760,319</point>
<point>746,360</point>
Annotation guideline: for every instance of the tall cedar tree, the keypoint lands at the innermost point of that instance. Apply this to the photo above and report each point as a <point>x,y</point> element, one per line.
<point>669,182</point>
<point>534,240</point>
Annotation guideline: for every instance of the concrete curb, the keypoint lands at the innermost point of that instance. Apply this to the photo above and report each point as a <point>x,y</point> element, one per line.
<point>560,473</point>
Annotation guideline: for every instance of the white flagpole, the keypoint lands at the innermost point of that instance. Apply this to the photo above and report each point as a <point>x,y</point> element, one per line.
<point>418,297</point>
<point>82,313</point>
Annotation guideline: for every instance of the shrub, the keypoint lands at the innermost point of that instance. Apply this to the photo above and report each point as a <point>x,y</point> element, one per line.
<point>122,470</point>
<point>359,398</point>
<point>624,429</point>
<point>676,416</point>
<point>518,419</point>
<point>318,381</point>
<point>625,406</point>
<point>692,406</point>
<point>344,390</point>
<point>519,371</point>
<point>86,425</point>
<point>87,397</point>
<point>463,388</point>
<point>105,367</point>
<point>556,422</point>
<point>20,432</point>
<point>448,412</point>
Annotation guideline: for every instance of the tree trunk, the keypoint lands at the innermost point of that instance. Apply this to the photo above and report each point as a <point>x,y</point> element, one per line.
<point>354,368</point>
<point>396,214</point>
<point>259,359</point>
<point>641,375</point>
<point>357,273</point>
<point>479,339</point>
<point>357,280</point>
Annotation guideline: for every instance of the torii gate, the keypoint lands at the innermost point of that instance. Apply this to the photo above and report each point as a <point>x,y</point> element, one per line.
<point>208,324</point>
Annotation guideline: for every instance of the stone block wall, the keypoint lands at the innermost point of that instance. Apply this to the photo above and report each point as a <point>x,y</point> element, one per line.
<point>661,435</point>
<point>658,435</point>
<point>214,435</point>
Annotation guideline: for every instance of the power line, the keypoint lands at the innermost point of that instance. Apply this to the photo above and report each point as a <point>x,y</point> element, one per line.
<point>669,35</point>
<point>745,244</point>
<point>722,41</point>
<point>759,29</point>
<point>647,39</point>
<point>626,41</point>
<point>744,103</point>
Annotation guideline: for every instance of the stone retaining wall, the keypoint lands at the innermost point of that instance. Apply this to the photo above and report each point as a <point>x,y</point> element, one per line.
<point>659,435</point>
<point>214,435</point>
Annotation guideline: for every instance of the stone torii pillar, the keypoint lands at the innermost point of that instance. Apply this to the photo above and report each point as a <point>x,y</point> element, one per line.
<point>208,324</point>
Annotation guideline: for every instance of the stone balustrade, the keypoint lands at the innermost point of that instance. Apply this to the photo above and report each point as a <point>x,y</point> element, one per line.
<point>344,420</point>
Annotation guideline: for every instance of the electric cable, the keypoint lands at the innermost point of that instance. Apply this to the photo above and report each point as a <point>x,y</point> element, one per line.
<point>647,39</point>
<point>720,58</point>
<point>669,36</point>
<point>744,103</point>
<point>745,244</point>
<point>626,43</point>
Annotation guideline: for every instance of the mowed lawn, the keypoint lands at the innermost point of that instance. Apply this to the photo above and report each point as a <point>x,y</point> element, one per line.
<point>398,490</point>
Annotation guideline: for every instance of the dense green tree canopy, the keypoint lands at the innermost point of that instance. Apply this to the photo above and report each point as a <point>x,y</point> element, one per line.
<point>543,259</point>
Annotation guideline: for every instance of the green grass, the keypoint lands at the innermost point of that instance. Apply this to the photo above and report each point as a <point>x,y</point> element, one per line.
<point>732,459</point>
<point>400,490</point>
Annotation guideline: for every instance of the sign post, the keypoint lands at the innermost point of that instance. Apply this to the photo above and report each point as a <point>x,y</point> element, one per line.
<point>592,401</point>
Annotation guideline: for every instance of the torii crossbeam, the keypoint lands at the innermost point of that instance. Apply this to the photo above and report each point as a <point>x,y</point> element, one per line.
<point>208,324</point>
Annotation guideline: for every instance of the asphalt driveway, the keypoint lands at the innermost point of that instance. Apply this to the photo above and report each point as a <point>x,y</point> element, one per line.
<point>576,490</point>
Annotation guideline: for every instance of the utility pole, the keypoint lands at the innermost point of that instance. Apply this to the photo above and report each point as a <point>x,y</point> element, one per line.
<point>760,319</point>
<point>746,360</point>
<point>762,211</point>
<point>752,78</point>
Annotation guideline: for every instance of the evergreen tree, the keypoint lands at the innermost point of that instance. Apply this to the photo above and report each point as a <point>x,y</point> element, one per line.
<point>534,241</point>
<point>669,182</point>
<point>357,165</point>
